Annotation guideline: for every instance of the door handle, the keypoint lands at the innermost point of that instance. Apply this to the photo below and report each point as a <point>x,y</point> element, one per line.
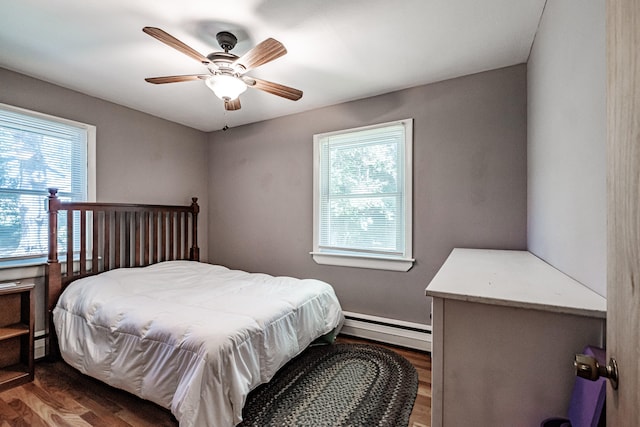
<point>589,368</point>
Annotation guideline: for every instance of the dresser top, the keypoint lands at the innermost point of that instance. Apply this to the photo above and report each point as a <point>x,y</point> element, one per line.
<point>514,279</point>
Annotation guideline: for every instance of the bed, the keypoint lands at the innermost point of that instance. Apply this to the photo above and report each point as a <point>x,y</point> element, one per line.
<point>135,308</point>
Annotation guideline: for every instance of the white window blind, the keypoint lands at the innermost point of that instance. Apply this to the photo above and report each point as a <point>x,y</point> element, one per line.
<point>363,192</point>
<point>37,152</point>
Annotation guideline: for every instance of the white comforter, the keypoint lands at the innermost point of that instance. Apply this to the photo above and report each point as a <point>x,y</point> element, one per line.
<point>192,337</point>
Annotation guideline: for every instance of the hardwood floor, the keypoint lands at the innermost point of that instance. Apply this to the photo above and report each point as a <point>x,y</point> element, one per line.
<point>61,396</point>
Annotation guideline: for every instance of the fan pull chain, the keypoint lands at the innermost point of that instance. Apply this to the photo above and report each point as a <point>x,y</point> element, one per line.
<point>226,126</point>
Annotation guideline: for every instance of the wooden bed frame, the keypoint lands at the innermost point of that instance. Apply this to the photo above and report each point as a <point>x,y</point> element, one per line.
<point>112,235</point>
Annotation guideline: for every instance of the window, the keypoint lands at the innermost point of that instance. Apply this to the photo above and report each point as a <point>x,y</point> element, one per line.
<point>37,152</point>
<point>362,197</point>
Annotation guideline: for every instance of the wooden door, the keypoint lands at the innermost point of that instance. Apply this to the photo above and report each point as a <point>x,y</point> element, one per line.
<point>623,140</point>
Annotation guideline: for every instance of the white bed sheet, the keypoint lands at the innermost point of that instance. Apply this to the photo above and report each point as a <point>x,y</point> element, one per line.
<point>193,337</point>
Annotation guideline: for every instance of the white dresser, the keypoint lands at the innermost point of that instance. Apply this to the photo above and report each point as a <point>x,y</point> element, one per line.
<point>506,326</point>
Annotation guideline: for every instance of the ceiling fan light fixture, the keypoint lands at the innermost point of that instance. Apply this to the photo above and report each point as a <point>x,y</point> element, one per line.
<point>225,86</point>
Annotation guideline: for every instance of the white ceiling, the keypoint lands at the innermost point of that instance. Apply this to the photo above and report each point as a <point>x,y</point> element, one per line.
<point>338,50</point>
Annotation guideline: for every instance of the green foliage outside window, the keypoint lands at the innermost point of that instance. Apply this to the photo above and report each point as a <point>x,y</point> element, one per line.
<point>362,195</point>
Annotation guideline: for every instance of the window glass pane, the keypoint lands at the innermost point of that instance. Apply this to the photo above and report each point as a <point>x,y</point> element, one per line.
<point>363,169</point>
<point>36,153</point>
<point>367,223</point>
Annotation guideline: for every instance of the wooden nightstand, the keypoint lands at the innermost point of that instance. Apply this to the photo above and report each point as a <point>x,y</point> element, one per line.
<point>16,335</point>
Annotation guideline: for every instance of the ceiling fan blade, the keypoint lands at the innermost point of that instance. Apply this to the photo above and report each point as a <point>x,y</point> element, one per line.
<point>173,42</point>
<point>264,52</point>
<point>232,104</point>
<point>176,79</point>
<point>274,88</point>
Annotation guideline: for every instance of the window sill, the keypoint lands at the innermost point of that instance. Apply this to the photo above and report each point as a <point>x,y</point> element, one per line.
<point>377,263</point>
<point>22,269</point>
<point>18,269</point>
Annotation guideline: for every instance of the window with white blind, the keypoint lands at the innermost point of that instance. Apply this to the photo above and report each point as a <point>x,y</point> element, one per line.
<point>362,197</point>
<point>37,152</point>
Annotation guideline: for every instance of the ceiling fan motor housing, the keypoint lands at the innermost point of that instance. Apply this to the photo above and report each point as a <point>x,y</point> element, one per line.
<point>226,40</point>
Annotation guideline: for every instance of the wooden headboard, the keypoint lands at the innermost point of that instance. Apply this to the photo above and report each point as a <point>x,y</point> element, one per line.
<point>112,235</point>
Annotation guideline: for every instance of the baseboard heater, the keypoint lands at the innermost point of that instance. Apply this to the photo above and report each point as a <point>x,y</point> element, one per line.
<point>389,331</point>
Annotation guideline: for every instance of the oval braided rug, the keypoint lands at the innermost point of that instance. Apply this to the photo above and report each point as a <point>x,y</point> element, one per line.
<point>336,385</point>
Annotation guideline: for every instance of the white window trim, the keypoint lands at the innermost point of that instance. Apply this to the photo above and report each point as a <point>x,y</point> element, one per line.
<point>378,262</point>
<point>17,269</point>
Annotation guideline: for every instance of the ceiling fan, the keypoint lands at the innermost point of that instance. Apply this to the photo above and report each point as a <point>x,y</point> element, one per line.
<point>226,77</point>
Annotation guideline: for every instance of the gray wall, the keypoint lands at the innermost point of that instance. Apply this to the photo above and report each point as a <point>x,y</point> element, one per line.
<point>469,187</point>
<point>567,142</point>
<point>139,158</point>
